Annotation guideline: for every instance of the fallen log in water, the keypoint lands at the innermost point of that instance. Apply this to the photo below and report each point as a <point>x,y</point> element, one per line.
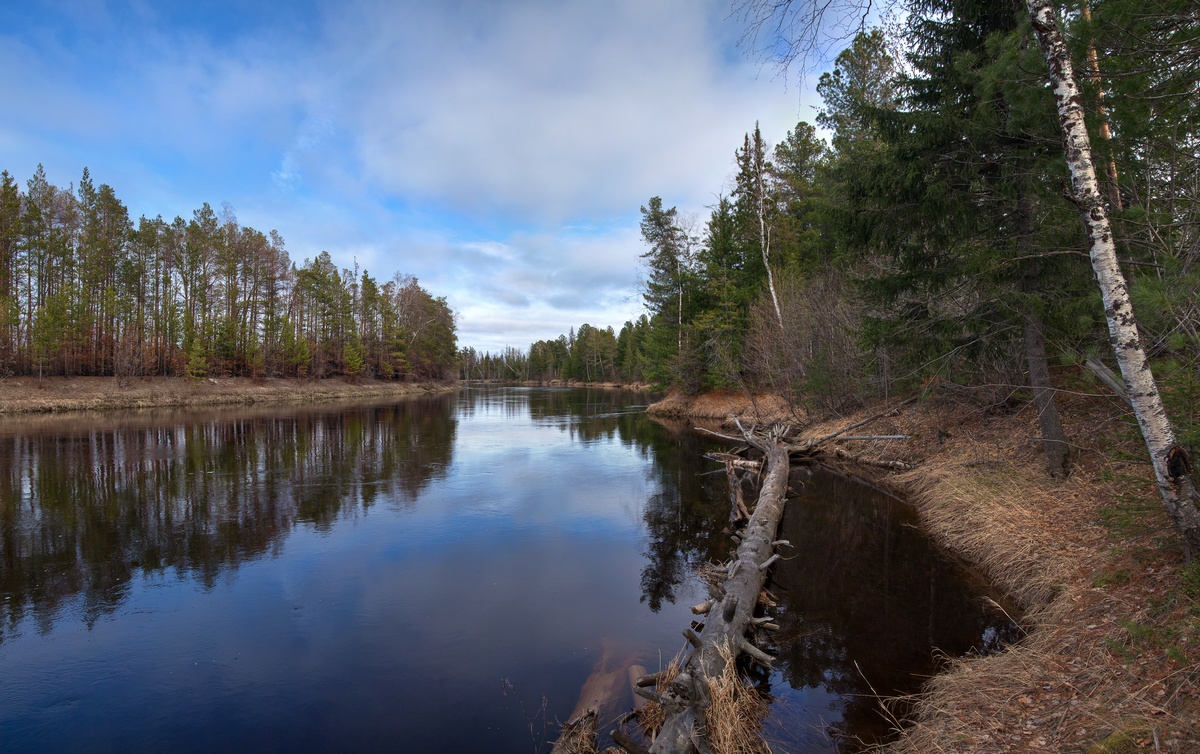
<point>686,697</point>
<point>723,638</point>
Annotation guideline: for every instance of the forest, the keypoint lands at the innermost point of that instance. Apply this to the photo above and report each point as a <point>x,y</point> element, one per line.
<point>935,238</point>
<point>85,291</point>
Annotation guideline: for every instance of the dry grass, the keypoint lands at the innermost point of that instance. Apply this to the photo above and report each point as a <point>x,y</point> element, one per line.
<point>578,736</point>
<point>977,509</point>
<point>719,406</point>
<point>28,395</point>
<point>735,717</point>
<point>651,716</point>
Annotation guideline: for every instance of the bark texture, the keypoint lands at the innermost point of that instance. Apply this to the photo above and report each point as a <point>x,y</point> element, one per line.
<point>724,633</point>
<point>1178,492</point>
<point>1058,452</point>
<point>1054,439</point>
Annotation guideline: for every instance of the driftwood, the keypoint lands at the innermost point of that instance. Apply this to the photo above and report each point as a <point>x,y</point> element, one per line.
<point>883,464</point>
<point>729,613</point>
<point>738,512</point>
<point>737,462</point>
<point>723,637</point>
<point>813,446</point>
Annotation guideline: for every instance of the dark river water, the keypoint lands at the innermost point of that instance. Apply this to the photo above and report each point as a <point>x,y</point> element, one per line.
<point>442,574</point>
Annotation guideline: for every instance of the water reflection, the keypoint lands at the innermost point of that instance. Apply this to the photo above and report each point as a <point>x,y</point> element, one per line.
<point>85,510</point>
<point>685,501</point>
<point>683,519</point>
<point>440,574</point>
<point>865,603</point>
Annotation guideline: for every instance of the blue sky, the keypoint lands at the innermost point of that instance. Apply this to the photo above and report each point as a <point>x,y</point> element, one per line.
<point>498,150</point>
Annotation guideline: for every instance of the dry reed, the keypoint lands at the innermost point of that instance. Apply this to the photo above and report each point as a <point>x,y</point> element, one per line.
<point>651,716</point>
<point>733,720</point>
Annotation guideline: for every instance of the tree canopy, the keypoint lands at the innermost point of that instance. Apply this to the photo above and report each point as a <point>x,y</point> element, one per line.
<point>86,291</point>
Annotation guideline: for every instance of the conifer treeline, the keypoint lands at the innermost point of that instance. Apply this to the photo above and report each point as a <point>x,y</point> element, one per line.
<point>934,237</point>
<point>83,291</point>
<point>589,354</point>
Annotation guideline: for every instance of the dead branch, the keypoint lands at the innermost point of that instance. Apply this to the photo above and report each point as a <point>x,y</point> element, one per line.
<point>720,435</point>
<point>738,512</point>
<point>883,464</point>
<point>736,461</point>
<point>723,637</point>
<point>1107,376</point>
<point>811,443</point>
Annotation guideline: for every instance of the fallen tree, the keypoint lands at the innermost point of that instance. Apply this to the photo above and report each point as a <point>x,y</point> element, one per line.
<point>685,694</point>
<point>724,636</point>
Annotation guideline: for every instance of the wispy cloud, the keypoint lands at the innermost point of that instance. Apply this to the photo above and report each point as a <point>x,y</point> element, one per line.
<point>498,151</point>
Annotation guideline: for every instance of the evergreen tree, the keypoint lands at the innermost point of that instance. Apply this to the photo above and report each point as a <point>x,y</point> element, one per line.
<point>668,260</point>
<point>967,272</point>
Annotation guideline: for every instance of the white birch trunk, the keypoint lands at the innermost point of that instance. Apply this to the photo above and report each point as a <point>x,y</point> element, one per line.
<point>764,240</point>
<point>1179,495</point>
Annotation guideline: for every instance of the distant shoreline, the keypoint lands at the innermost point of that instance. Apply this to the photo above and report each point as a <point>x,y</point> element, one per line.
<point>29,395</point>
<point>641,387</point>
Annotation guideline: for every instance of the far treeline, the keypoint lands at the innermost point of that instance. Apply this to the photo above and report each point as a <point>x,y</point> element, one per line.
<point>936,237</point>
<point>83,291</point>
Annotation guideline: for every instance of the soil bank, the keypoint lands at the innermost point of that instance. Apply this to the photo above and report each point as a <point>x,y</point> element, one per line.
<point>1111,660</point>
<point>25,395</point>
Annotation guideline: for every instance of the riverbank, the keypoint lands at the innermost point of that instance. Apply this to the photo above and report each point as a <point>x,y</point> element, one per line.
<point>29,395</point>
<point>720,406</point>
<point>641,387</point>
<point>1111,661</point>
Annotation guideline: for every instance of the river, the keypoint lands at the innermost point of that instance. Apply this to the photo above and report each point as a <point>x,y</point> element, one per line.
<point>441,574</point>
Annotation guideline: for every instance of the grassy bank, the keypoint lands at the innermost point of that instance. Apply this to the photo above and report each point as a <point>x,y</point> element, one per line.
<point>1111,661</point>
<point>718,407</point>
<point>26,395</point>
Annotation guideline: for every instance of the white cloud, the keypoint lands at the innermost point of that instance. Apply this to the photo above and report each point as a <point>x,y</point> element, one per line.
<point>549,110</point>
<point>497,151</point>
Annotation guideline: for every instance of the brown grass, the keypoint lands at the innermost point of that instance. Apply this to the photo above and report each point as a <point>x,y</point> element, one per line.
<point>735,717</point>
<point>1111,659</point>
<point>719,406</point>
<point>29,395</point>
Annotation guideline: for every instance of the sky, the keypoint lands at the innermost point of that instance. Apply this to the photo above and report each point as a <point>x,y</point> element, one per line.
<point>498,150</point>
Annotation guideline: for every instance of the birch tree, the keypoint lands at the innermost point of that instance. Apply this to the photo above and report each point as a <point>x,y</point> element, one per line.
<point>752,194</point>
<point>796,29</point>
<point>1169,459</point>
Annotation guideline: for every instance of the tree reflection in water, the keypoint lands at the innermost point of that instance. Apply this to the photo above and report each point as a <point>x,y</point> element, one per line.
<point>86,508</point>
<point>867,603</point>
<point>684,517</point>
<point>91,514</point>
